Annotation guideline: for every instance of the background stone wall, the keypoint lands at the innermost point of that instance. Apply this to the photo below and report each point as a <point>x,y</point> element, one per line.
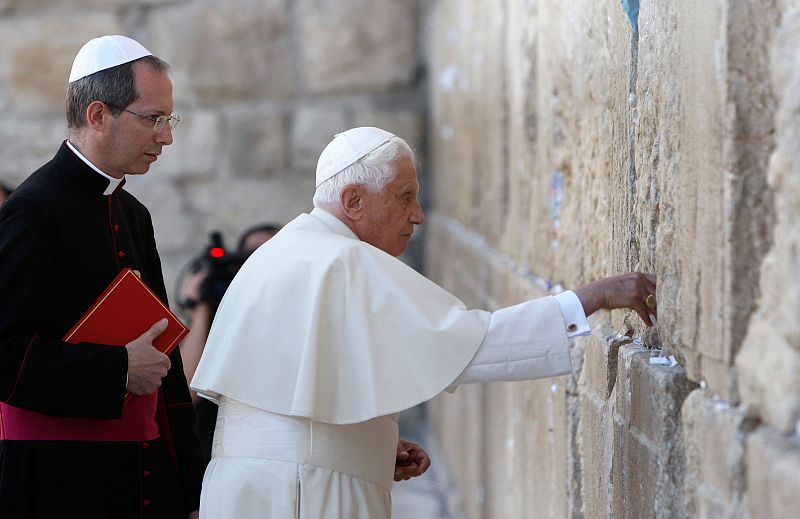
<point>261,87</point>
<point>563,146</point>
<point>567,146</point>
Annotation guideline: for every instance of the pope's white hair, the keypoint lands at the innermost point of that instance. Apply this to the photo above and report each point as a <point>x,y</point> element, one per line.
<point>374,170</point>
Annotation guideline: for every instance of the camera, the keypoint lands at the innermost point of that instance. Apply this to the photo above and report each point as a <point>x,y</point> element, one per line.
<point>220,266</point>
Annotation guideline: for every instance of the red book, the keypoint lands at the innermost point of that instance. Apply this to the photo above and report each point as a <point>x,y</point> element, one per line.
<point>126,309</point>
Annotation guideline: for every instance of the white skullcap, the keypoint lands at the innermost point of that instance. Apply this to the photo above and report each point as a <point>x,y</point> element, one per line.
<point>348,147</point>
<point>105,52</point>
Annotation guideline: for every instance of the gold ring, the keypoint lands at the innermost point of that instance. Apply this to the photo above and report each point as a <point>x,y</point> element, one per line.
<point>650,301</point>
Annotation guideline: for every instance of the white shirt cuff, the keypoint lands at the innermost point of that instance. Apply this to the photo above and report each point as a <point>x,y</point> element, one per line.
<point>574,316</point>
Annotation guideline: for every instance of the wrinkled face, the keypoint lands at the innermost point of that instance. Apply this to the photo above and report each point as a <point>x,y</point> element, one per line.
<point>131,145</point>
<point>390,216</point>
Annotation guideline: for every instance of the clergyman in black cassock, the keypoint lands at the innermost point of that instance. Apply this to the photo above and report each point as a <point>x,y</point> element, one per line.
<point>65,233</point>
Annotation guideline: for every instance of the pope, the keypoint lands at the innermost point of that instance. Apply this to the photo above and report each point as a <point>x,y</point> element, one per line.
<point>325,336</point>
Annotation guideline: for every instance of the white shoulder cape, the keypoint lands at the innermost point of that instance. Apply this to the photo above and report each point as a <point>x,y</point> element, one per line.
<point>320,324</point>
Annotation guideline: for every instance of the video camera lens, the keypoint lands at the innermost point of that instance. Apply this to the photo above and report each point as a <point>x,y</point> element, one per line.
<point>220,267</point>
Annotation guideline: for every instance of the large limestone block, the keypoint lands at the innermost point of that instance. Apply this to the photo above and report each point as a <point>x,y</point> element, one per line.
<point>185,212</point>
<point>408,124</point>
<point>592,179</point>
<point>448,83</point>
<point>500,441</point>
<point>596,448</point>
<point>619,137</point>
<point>174,231</point>
<point>244,55</point>
<point>656,157</point>
<point>543,402</point>
<point>773,474</point>
<point>469,114</point>
<point>599,373</point>
<point>256,142</point>
<point>701,182</point>
<point>526,440</point>
<point>442,92</point>
<point>631,463</point>
<point>573,459</point>
<point>555,87</point>
<point>28,143</point>
<point>460,421</point>
<point>769,363</point>
<point>486,111</point>
<point>522,92</point>
<point>25,6</point>
<point>242,202</point>
<point>444,242</point>
<point>657,394</point>
<point>436,264</point>
<point>357,45</point>
<point>636,491</point>
<point>714,436</point>
<point>195,150</point>
<point>37,55</point>
<point>178,237</point>
<point>725,214</point>
<point>313,128</point>
<point>629,450</point>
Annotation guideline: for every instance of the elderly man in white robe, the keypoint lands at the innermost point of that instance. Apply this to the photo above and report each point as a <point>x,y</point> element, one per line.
<point>324,337</point>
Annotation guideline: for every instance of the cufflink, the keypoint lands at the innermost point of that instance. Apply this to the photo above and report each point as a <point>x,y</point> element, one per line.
<point>572,327</point>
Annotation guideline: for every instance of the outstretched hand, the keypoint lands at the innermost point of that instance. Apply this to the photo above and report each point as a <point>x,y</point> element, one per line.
<point>625,291</point>
<point>412,461</point>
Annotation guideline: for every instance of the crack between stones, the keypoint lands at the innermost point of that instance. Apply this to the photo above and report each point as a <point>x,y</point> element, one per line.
<point>633,244</point>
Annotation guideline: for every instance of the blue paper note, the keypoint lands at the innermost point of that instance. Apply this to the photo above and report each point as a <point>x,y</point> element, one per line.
<point>631,8</point>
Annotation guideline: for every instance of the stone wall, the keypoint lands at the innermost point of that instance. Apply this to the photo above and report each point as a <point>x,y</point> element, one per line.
<point>261,87</point>
<point>567,146</point>
<point>564,146</point>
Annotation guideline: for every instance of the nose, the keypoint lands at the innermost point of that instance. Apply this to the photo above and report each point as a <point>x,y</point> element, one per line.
<point>164,136</point>
<point>417,214</point>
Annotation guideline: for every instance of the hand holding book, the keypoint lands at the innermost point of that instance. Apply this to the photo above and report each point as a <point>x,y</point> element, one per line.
<point>124,315</point>
<point>146,365</point>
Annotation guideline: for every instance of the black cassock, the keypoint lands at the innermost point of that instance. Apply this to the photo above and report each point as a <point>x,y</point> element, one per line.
<point>61,242</point>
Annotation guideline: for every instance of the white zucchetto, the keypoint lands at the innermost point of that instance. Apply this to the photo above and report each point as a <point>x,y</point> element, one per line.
<point>105,52</point>
<point>347,148</point>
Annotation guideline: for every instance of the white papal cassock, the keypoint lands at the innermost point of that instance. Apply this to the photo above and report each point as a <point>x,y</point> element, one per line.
<point>319,341</point>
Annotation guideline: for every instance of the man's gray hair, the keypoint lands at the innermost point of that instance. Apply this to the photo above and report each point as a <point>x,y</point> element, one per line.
<point>113,86</point>
<point>374,170</point>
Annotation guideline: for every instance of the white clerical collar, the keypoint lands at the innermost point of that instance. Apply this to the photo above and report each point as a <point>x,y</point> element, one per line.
<point>112,182</point>
<point>333,223</point>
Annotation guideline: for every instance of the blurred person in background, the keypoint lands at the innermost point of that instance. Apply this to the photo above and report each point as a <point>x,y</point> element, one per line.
<point>209,278</point>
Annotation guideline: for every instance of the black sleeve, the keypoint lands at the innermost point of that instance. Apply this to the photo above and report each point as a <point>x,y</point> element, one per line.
<point>38,371</point>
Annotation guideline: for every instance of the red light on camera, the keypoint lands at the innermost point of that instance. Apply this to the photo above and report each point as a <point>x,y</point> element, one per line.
<point>217,252</point>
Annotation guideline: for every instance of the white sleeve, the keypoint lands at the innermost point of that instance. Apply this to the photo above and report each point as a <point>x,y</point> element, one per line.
<point>574,316</point>
<point>525,341</point>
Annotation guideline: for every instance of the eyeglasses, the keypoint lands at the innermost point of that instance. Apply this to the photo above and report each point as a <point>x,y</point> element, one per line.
<point>159,120</point>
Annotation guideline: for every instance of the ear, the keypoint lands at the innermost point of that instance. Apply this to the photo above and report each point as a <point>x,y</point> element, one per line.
<point>96,113</point>
<point>352,201</point>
